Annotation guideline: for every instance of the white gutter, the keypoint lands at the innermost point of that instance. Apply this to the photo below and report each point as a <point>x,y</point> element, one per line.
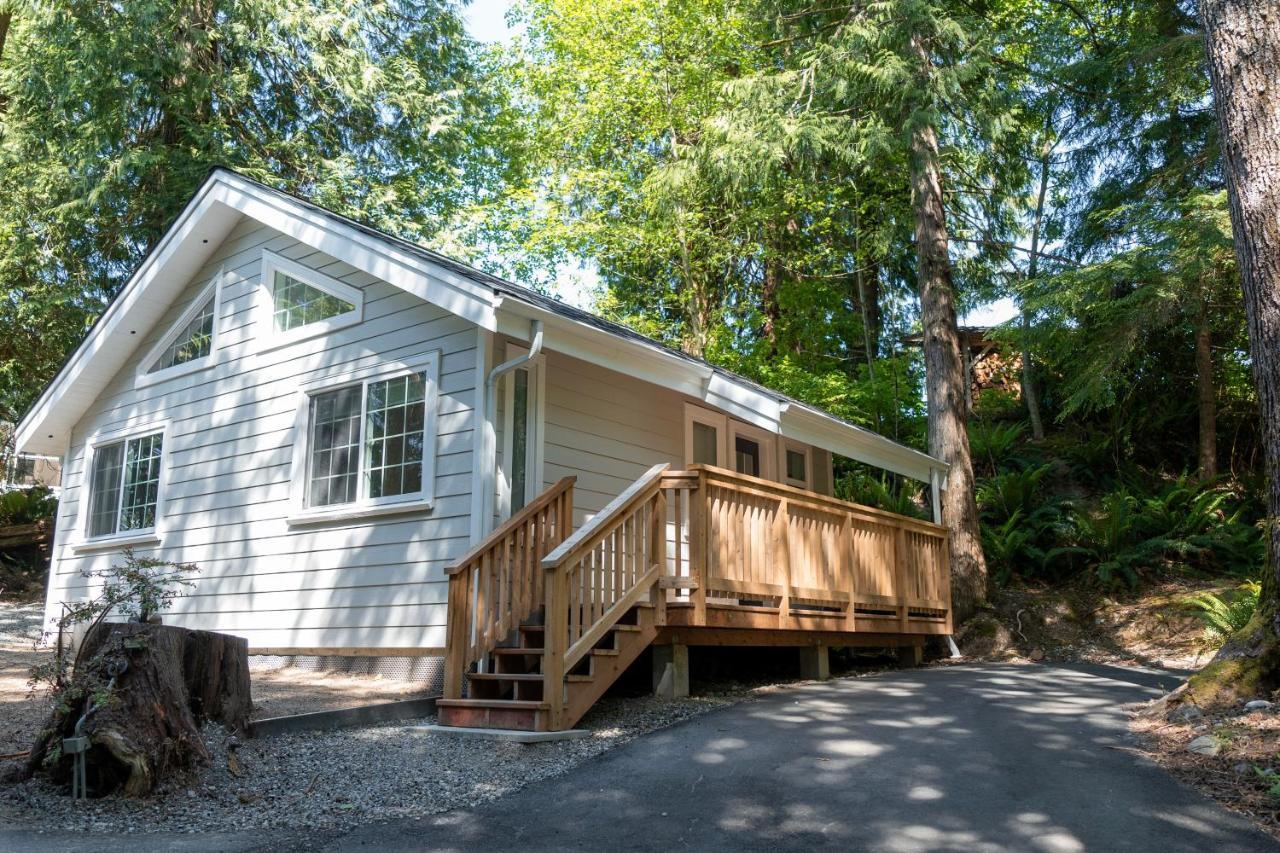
<point>490,449</point>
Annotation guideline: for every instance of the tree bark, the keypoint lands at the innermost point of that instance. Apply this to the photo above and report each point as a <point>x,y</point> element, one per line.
<point>1242,40</point>
<point>174,680</point>
<point>1208,456</point>
<point>945,379</point>
<point>1030,394</point>
<point>6,19</point>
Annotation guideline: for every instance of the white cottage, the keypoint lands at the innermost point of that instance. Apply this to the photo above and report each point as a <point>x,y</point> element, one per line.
<point>340,427</point>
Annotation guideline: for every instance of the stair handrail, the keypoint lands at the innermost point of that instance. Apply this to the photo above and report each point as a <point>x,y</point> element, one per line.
<point>497,584</point>
<point>564,646</point>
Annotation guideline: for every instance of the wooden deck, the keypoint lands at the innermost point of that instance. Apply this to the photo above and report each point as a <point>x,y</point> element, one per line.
<point>542,620</point>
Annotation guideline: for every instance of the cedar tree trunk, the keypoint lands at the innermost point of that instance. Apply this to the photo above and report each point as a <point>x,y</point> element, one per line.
<point>1205,394</point>
<point>1242,38</point>
<point>945,380</point>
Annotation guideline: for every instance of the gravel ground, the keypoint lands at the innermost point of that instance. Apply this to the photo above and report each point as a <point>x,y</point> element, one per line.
<point>293,690</point>
<point>345,778</point>
<point>20,715</point>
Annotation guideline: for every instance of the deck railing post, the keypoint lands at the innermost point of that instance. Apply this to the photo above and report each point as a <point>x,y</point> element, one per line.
<point>458,627</point>
<point>555,642</point>
<point>658,551</point>
<point>900,581</point>
<point>847,573</point>
<point>698,538</point>
<point>782,561</point>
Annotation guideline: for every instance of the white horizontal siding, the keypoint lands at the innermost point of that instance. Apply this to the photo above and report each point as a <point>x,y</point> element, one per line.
<point>376,582</point>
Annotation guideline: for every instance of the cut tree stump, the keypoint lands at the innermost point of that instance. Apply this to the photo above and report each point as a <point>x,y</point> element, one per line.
<point>176,679</point>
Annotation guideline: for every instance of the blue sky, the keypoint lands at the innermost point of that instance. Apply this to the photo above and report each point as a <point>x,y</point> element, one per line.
<point>486,21</point>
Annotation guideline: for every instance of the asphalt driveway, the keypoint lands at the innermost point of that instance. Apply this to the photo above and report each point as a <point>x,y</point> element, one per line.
<point>973,758</point>
<point>970,758</point>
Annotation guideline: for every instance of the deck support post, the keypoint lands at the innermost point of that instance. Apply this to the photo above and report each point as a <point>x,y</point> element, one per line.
<point>671,671</point>
<point>910,655</point>
<point>815,663</point>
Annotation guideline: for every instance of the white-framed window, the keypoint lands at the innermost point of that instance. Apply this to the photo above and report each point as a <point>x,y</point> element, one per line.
<point>297,302</point>
<point>189,344</point>
<point>796,464</point>
<point>364,442</point>
<point>706,437</point>
<point>123,486</point>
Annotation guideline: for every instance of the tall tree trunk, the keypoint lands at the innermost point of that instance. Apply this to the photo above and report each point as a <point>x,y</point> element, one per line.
<point>1242,38</point>
<point>769,288</point>
<point>945,378</point>
<point>1030,395</point>
<point>1205,394</point>
<point>6,18</point>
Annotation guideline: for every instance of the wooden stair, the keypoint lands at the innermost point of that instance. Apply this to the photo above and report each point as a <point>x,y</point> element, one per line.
<point>511,691</point>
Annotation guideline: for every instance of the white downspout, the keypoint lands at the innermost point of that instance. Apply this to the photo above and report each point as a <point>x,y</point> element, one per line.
<point>491,415</point>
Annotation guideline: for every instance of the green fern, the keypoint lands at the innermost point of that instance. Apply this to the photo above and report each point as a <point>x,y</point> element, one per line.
<point>1224,617</point>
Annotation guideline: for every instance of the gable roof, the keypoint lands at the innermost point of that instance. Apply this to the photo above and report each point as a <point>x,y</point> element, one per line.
<point>493,303</point>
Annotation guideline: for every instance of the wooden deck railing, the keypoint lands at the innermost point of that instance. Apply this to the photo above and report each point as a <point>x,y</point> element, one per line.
<point>611,564</point>
<point>804,561</point>
<point>708,548</point>
<point>499,583</point>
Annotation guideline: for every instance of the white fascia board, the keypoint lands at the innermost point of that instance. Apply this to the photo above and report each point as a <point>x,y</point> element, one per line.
<point>598,346</point>
<point>743,402</point>
<point>653,364</point>
<point>811,426</point>
<point>197,232</point>
<point>143,301</point>
<point>377,256</point>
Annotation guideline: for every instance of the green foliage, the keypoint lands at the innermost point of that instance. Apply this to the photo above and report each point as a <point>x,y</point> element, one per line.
<point>1224,617</point>
<point>882,492</point>
<point>992,442</point>
<point>26,506</point>
<point>112,113</point>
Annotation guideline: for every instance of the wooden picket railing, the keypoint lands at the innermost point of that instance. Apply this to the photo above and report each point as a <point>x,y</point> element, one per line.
<point>499,583</point>
<point>602,571</point>
<point>799,560</point>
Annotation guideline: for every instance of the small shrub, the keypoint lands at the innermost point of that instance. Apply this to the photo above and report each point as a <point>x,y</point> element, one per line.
<point>137,589</point>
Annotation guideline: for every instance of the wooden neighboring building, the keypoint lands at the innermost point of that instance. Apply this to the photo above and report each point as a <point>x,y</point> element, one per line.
<point>373,450</point>
<point>987,361</point>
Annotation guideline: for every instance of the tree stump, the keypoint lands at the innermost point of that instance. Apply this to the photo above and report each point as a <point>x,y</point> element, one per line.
<point>174,680</point>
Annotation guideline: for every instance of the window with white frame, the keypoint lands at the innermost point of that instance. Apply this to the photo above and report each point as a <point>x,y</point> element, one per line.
<point>368,440</point>
<point>301,302</point>
<point>124,485</point>
<point>189,343</point>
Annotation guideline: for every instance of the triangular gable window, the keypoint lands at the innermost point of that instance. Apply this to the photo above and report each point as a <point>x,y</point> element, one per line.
<point>193,342</point>
<point>188,345</point>
<point>299,302</point>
